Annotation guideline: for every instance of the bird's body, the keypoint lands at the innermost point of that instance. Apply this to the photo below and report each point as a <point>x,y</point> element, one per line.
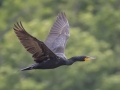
<point>48,54</point>
<point>50,64</point>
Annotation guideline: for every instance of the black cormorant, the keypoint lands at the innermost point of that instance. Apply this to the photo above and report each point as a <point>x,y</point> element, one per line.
<point>48,54</point>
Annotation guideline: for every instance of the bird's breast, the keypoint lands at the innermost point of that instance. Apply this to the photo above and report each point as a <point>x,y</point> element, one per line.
<point>50,64</point>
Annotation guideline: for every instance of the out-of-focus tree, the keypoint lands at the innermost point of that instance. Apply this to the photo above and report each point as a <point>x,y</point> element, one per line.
<point>94,29</point>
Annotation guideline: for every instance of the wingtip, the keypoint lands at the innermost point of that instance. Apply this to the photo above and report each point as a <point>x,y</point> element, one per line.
<point>27,68</point>
<point>18,26</point>
<point>20,23</point>
<point>62,15</point>
<point>17,23</point>
<point>15,27</point>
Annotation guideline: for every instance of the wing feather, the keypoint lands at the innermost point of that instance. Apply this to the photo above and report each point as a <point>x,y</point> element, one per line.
<point>58,35</point>
<point>37,48</point>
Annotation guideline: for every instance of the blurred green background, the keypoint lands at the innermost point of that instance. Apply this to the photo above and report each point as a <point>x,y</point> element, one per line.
<point>94,29</point>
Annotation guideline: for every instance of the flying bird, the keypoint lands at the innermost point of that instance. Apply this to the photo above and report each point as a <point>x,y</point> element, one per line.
<point>48,54</point>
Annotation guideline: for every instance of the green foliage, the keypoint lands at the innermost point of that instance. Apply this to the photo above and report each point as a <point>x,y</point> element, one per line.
<point>94,29</point>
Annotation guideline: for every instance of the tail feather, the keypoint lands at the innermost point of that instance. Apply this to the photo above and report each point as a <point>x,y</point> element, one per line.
<point>27,68</point>
<point>33,66</point>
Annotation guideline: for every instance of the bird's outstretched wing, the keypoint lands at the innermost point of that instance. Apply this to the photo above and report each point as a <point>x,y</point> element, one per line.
<point>58,35</point>
<point>37,48</point>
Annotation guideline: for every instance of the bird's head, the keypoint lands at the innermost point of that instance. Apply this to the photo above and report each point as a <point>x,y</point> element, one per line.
<point>79,58</point>
<point>87,58</point>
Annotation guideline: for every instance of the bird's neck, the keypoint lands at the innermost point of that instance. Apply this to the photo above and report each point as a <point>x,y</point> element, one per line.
<point>74,59</point>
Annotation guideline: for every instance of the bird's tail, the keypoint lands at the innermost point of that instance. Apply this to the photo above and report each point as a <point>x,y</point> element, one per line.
<point>27,68</point>
<point>33,66</point>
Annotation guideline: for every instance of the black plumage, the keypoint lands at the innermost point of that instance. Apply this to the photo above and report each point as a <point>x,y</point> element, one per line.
<point>48,54</point>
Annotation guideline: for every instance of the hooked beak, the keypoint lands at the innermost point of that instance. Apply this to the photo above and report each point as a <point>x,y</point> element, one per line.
<point>89,58</point>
